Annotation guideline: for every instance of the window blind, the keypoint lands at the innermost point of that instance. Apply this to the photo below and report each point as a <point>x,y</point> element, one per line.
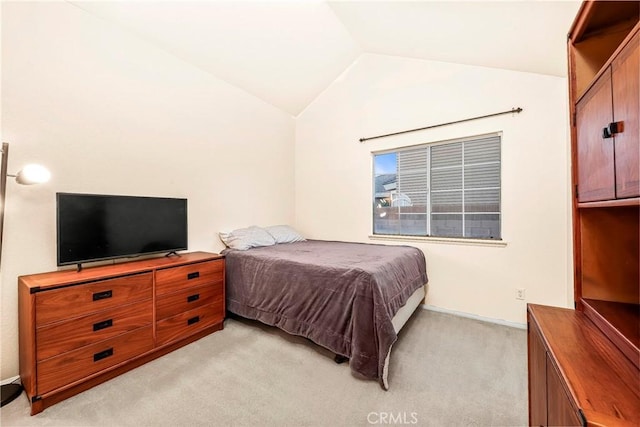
<point>449,189</point>
<point>465,186</point>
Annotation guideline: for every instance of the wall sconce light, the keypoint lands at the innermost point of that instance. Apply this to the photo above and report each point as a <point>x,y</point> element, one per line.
<point>30,174</point>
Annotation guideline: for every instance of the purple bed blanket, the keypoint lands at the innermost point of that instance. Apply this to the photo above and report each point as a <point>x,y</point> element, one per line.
<point>340,295</point>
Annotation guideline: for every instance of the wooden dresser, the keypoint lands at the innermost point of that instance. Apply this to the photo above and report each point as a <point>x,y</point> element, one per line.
<point>81,328</point>
<point>584,363</point>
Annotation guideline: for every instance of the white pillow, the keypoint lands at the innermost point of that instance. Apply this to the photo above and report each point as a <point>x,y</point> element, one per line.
<point>284,234</point>
<point>246,238</point>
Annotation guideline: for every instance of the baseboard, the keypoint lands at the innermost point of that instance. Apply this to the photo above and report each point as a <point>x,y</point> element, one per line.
<point>475,316</point>
<point>9,380</point>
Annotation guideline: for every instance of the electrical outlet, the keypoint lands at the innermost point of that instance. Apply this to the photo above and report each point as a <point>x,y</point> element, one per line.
<point>520,293</point>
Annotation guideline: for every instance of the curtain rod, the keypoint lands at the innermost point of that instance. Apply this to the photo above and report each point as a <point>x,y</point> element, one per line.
<point>513,110</point>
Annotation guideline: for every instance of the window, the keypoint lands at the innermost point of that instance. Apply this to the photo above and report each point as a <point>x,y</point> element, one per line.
<point>447,189</point>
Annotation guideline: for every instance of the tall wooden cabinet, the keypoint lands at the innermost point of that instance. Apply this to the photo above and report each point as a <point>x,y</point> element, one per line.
<point>584,363</point>
<point>604,89</point>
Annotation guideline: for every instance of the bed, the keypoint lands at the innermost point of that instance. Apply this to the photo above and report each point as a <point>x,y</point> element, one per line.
<point>351,298</point>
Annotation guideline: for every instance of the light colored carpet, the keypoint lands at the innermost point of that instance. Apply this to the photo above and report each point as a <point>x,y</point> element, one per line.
<point>445,370</point>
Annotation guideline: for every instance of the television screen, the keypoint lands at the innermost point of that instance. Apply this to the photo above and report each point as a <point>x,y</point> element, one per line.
<point>98,227</point>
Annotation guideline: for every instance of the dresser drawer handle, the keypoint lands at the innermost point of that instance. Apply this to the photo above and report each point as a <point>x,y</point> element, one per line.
<point>103,325</point>
<point>103,354</point>
<point>193,275</point>
<point>102,295</point>
<point>194,297</point>
<point>193,320</point>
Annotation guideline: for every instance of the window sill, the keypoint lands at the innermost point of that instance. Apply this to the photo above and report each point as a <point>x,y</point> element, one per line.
<point>445,240</point>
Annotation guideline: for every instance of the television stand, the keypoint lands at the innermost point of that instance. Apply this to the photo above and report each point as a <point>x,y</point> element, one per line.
<point>79,329</point>
<point>172,253</point>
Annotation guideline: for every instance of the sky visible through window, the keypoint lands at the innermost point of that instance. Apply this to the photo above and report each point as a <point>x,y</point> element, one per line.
<point>384,163</point>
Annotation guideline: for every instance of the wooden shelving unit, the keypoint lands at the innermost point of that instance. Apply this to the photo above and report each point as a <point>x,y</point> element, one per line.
<point>601,337</point>
<point>604,82</point>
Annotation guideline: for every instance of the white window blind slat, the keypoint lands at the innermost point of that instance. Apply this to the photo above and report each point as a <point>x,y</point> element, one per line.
<point>446,155</point>
<point>482,176</point>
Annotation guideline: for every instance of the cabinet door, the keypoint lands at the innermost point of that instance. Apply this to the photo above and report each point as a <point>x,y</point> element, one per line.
<point>596,176</point>
<point>537,378</point>
<point>625,79</point>
<point>560,412</point>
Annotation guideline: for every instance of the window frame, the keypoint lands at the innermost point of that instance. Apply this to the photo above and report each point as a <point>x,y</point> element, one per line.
<point>428,237</point>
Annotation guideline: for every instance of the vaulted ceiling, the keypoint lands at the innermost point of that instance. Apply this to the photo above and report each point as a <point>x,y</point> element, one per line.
<point>288,52</point>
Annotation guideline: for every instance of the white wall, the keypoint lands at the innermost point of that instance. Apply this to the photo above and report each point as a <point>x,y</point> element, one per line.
<point>108,113</point>
<point>383,94</point>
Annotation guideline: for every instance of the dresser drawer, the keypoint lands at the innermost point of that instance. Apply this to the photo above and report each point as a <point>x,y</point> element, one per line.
<point>187,299</point>
<point>78,364</point>
<point>174,279</point>
<point>189,322</point>
<point>60,337</point>
<point>78,300</point>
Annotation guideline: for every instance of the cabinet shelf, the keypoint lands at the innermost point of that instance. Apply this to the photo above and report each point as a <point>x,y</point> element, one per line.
<point>603,29</point>
<point>634,201</point>
<point>618,321</point>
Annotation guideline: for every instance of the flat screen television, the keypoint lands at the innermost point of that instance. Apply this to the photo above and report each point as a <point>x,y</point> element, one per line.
<point>95,227</point>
